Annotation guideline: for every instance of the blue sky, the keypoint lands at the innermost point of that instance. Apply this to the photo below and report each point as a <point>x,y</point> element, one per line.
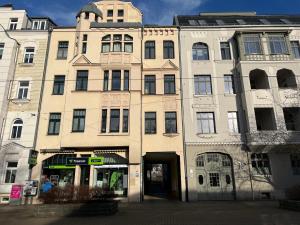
<point>157,11</point>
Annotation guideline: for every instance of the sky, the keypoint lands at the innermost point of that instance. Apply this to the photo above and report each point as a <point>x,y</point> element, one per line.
<point>157,11</point>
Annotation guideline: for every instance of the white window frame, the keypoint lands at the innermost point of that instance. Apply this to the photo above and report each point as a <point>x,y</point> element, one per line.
<point>39,25</point>
<point>14,24</point>
<point>11,169</point>
<point>209,119</point>
<point>18,127</point>
<point>233,122</point>
<point>30,55</point>
<point>23,89</point>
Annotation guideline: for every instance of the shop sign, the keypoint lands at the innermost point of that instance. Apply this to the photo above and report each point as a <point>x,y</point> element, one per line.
<point>96,161</point>
<point>33,157</point>
<point>31,188</point>
<point>16,194</point>
<point>77,161</point>
<point>58,167</point>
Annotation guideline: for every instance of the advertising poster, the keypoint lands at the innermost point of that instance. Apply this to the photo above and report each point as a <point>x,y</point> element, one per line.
<point>16,194</point>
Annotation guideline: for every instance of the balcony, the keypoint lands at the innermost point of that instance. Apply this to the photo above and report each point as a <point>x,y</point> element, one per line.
<point>277,137</point>
<point>116,58</point>
<point>262,97</point>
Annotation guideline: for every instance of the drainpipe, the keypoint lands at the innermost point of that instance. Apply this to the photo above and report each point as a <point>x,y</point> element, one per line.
<point>182,119</point>
<point>141,121</point>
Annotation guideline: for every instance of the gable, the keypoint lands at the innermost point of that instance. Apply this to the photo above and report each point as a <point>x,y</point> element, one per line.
<point>169,65</point>
<point>82,60</point>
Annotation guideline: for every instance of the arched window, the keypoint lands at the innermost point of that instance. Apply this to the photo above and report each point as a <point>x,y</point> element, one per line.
<point>17,129</point>
<point>259,79</point>
<point>200,161</point>
<point>286,79</point>
<point>200,51</point>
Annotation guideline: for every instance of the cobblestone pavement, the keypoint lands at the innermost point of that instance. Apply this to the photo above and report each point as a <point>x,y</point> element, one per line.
<point>167,213</point>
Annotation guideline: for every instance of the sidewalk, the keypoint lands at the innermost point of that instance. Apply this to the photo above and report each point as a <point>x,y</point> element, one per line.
<point>168,213</point>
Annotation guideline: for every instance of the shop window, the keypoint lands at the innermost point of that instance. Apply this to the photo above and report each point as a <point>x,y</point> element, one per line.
<point>78,120</point>
<point>28,55</point>
<point>11,172</point>
<point>58,85</point>
<point>150,85</point>
<point>214,179</point>
<point>200,51</point>
<point>286,79</point>
<point>62,52</point>
<point>259,79</point>
<point>17,127</point>
<point>23,89</point>
<point>261,164</point>
<point>82,80</point>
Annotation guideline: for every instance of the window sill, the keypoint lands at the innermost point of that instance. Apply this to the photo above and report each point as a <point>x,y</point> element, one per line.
<point>55,135</point>
<point>20,101</point>
<point>113,134</point>
<point>150,134</point>
<point>76,132</point>
<point>212,135</point>
<point>60,59</point>
<point>230,95</point>
<point>199,96</point>
<point>57,94</point>
<point>171,134</point>
<point>79,91</point>
<point>26,64</point>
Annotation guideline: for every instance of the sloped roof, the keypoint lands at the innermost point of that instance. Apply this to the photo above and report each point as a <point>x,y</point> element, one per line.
<point>90,8</point>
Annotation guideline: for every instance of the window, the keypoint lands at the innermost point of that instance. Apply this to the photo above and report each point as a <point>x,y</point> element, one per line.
<point>200,51</point>
<point>106,80</point>
<point>295,49</point>
<point>292,118</point>
<point>225,51</point>
<point>120,12</point>
<point>78,120</point>
<point>200,179</point>
<point>103,120</point>
<point>150,122</point>
<point>17,129</point>
<point>86,15</point>
<point>106,44</point>
<point>202,85</point>
<point>214,179</point>
<point>168,50</point>
<point>1,50</point>
<point>200,161</point>
<point>150,50</point>
<point>125,120</point>
<point>23,89</point>
<point>229,84</point>
<point>114,120</point>
<point>13,23</point>
<point>126,80</point>
<point>206,122</point>
<point>265,119</point>
<point>259,79</point>
<point>278,44</point>
<point>28,55</point>
<point>82,80</point>
<point>252,45</point>
<point>54,124</point>
<point>110,13</point>
<point>84,44</point>
<point>11,172</point>
<point>62,52</point>
<point>120,20</point>
<point>117,43</point>
<point>116,80</point>
<point>212,157</point>
<point>150,85</point>
<point>58,85</point>
<point>170,122</point>
<point>286,79</point>
<point>233,123</point>
<point>226,162</point>
<point>295,162</point>
<point>39,25</point>
<point>169,84</point>
<point>128,44</point>
<point>35,25</point>
<point>260,163</point>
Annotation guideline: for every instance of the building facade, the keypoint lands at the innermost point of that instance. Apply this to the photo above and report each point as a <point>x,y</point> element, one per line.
<point>241,104</point>
<point>23,58</point>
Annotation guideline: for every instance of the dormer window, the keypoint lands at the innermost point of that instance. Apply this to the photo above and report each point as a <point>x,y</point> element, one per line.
<point>120,13</point>
<point>86,15</point>
<point>39,25</point>
<point>13,23</point>
<point>110,13</point>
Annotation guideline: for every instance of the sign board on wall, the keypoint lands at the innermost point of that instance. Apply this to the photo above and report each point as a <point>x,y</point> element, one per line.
<point>16,194</point>
<point>31,188</point>
<point>85,161</point>
<point>33,157</point>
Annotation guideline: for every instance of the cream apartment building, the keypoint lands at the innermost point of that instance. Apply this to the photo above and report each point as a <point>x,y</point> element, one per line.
<point>24,43</point>
<point>241,107</point>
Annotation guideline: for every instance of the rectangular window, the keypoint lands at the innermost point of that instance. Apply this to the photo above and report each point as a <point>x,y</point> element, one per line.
<point>168,50</point>
<point>116,80</point>
<point>202,85</point>
<point>104,121</point>
<point>225,51</point>
<point>106,80</point>
<point>125,120</point>
<point>13,22</point>
<point>169,84</point>
<point>110,13</point>
<point>170,122</point>
<point>150,122</point>
<point>120,12</point>
<point>78,120</point>
<point>105,47</point>
<point>233,123</point>
<point>126,80</point>
<point>128,47</point>
<point>150,85</point>
<point>206,123</point>
<point>82,80</point>
<point>214,179</point>
<point>58,85</point>
<point>1,50</point>
<point>252,45</point>
<point>28,55</point>
<point>229,84</point>
<point>11,172</point>
<point>261,164</point>
<point>295,161</point>
<point>117,46</point>
<point>84,44</point>
<point>54,124</point>
<point>292,118</point>
<point>278,44</point>
<point>62,52</point>
<point>114,121</point>
<point>23,89</point>
<point>150,50</point>
<point>295,49</point>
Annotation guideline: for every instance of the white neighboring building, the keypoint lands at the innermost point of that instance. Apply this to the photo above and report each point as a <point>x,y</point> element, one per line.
<point>25,45</point>
<point>241,104</point>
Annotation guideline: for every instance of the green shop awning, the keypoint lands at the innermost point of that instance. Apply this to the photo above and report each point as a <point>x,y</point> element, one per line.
<point>58,161</point>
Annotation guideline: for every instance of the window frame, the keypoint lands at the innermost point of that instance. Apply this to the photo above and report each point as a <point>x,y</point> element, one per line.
<point>56,124</point>
<point>80,121</point>
<point>104,114</point>
<point>168,51</point>
<point>2,46</point>
<point>23,90</point>
<point>150,49</point>
<point>116,81</point>
<point>273,44</point>
<point>198,54</point>
<point>296,55</point>
<point>202,79</point>
<point>13,171</point>
<point>151,84</point>
<point>13,24</point>
<point>209,118</point>
<point>126,78</point>
<point>125,122</point>
<point>62,50</point>
<point>171,120</point>
<point>28,57</point>
<point>250,43</point>
<point>116,118</point>
<point>169,84</point>
<point>152,122</point>
<point>59,85</point>
<point>16,129</point>
<point>233,122</point>
<point>258,161</point>
<point>82,80</point>
<point>229,84</point>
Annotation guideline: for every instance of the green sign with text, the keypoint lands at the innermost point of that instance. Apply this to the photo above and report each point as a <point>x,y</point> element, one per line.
<point>96,161</point>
